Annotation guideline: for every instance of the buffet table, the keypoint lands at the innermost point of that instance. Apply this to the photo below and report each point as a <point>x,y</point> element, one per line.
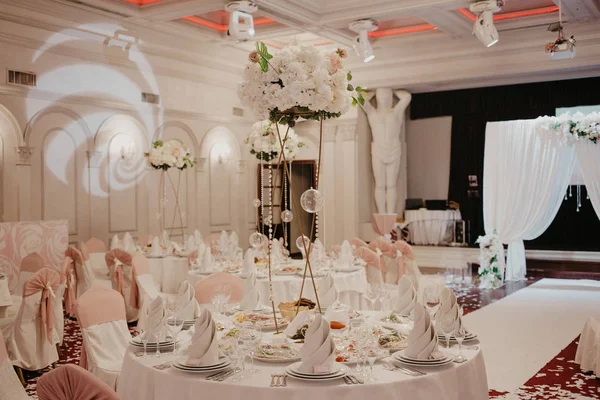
<point>139,380</point>
<point>430,227</point>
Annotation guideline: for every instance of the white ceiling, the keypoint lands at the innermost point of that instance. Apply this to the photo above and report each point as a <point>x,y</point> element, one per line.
<point>442,54</point>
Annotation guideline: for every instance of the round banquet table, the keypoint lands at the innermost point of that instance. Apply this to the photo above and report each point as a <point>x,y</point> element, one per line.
<point>466,381</point>
<point>350,285</point>
<point>168,272</point>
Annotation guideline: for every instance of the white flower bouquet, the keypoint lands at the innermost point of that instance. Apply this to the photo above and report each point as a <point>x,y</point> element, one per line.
<point>572,127</point>
<point>491,261</point>
<point>297,81</point>
<point>264,143</point>
<point>170,154</point>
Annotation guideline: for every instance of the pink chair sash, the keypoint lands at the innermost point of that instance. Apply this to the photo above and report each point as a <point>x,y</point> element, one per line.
<point>3,353</point>
<point>100,304</point>
<point>115,259</point>
<point>386,248</point>
<point>95,245</point>
<point>46,281</point>
<point>369,256</point>
<point>206,287</point>
<point>71,382</point>
<point>404,248</point>
<point>358,242</point>
<point>33,262</point>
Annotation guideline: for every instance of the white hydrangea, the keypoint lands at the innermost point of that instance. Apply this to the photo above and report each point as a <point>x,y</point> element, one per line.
<point>264,142</point>
<point>571,128</point>
<point>299,76</point>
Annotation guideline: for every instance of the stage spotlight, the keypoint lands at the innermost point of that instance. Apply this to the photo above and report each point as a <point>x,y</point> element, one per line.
<point>484,28</point>
<point>363,46</point>
<point>241,22</point>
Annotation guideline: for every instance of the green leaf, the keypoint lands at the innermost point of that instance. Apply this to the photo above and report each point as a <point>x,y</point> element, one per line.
<point>349,76</point>
<point>354,102</point>
<point>360,90</point>
<point>263,52</point>
<point>350,88</point>
<point>361,100</point>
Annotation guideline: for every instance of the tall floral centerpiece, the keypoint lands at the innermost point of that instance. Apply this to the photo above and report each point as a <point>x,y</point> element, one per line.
<point>297,82</point>
<point>263,142</point>
<point>491,261</point>
<point>163,156</point>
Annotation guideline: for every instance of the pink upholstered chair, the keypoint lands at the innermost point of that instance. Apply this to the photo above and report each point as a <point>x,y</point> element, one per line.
<point>71,382</point>
<point>30,264</point>
<point>358,242</point>
<point>11,388</point>
<point>123,281</point>
<point>102,317</point>
<point>32,338</point>
<point>373,264</point>
<point>205,289</point>
<point>389,263</point>
<point>82,270</point>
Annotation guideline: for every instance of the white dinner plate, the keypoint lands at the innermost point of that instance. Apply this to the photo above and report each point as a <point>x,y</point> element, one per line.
<point>336,369</point>
<point>201,371</point>
<point>412,361</point>
<point>155,256</point>
<point>182,364</point>
<point>276,360</point>
<point>138,343</point>
<point>441,362</point>
<point>319,378</point>
<point>348,270</point>
<point>469,337</point>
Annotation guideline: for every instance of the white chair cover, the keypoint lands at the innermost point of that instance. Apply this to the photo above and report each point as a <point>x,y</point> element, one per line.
<point>83,270</point>
<point>32,338</point>
<point>30,264</point>
<point>11,388</point>
<point>146,285</point>
<point>101,314</point>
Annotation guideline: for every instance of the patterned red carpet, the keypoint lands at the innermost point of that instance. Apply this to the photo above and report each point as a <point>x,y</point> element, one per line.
<point>559,379</point>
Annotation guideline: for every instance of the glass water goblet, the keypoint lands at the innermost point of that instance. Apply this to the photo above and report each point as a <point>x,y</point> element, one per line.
<point>255,340</point>
<point>371,358</point>
<point>447,327</point>
<point>460,337</point>
<point>144,339</point>
<point>431,299</point>
<point>175,325</point>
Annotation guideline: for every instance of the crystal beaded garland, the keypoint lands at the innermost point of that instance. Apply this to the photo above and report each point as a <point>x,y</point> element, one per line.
<point>287,216</point>
<point>257,240</point>
<point>256,203</point>
<point>311,201</point>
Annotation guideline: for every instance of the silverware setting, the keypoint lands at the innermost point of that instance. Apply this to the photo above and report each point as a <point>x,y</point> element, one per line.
<point>163,366</point>
<point>406,370</point>
<point>222,375</point>
<point>353,380</point>
<point>278,380</point>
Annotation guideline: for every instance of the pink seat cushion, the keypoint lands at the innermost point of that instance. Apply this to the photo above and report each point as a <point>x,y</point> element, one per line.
<point>71,382</point>
<point>205,289</point>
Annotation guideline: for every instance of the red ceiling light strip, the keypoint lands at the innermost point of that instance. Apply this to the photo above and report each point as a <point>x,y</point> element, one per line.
<point>403,30</point>
<point>513,15</point>
<point>223,28</point>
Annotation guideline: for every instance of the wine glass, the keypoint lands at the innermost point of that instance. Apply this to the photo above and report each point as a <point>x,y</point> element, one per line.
<point>175,325</point>
<point>371,358</point>
<point>460,334</point>
<point>431,298</point>
<point>372,295</point>
<point>222,294</point>
<point>254,342</point>
<point>447,326</point>
<point>144,339</point>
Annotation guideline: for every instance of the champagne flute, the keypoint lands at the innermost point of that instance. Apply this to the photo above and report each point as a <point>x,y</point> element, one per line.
<point>144,338</point>
<point>431,298</point>
<point>371,357</point>
<point>175,325</point>
<point>255,340</point>
<point>447,326</point>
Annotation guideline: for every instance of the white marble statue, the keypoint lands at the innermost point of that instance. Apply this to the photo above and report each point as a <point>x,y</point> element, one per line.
<point>386,148</point>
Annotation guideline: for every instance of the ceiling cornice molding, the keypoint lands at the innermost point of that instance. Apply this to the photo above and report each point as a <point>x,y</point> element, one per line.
<point>58,99</point>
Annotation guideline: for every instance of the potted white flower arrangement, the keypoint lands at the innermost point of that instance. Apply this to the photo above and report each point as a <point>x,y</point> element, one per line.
<point>264,143</point>
<point>172,153</point>
<point>491,261</point>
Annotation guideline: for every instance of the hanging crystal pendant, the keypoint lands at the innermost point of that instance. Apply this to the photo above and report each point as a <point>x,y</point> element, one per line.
<point>578,197</point>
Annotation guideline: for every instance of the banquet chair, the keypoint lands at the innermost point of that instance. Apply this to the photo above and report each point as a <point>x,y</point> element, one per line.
<point>32,338</point>
<point>71,382</point>
<point>123,281</point>
<point>102,318</point>
<point>11,388</point>
<point>205,289</point>
<point>389,264</point>
<point>407,264</point>
<point>30,264</point>
<point>81,270</point>
<point>373,265</point>
<point>96,250</point>
<point>358,242</point>
<point>145,283</point>
<point>59,301</point>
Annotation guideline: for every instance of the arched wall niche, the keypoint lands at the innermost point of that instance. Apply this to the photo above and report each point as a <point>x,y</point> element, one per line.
<point>11,142</point>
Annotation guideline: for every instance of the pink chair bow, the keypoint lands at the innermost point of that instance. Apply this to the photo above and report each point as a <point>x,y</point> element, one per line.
<point>115,259</point>
<point>46,281</point>
<point>358,242</point>
<point>206,287</point>
<point>71,382</point>
<point>33,262</point>
<point>386,248</point>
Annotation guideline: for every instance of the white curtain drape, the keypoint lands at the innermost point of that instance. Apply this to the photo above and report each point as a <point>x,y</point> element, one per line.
<point>524,180</point>
<point>588,154</point>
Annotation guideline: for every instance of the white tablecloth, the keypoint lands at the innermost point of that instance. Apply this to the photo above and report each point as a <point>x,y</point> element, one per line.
<point>588,350</point>
<point>138,380</point>
<point>168,272</point>
<point>350,285</point>
<point>430,227</point>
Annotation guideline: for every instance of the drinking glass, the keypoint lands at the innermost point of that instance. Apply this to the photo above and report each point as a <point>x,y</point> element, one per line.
<point>254,342</point>
<point>431,299</point>
<point>371,357</point>
<point>144,338</point>
<point>447,327</point>
<point>468,276</point>
<point>222,294</point>
<point>175,325</point>
<point>449,275</point>
<point>158,344</point>
<point>372,295</point>
<point>458,276</point>
<point>460,336</point>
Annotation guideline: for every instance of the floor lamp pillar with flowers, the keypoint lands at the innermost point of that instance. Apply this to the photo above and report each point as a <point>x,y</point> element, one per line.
<point>297,82</point>
<point>164,156</point>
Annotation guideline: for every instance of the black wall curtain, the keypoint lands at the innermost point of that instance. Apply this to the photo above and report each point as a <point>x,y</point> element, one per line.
<point>471,109</point>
